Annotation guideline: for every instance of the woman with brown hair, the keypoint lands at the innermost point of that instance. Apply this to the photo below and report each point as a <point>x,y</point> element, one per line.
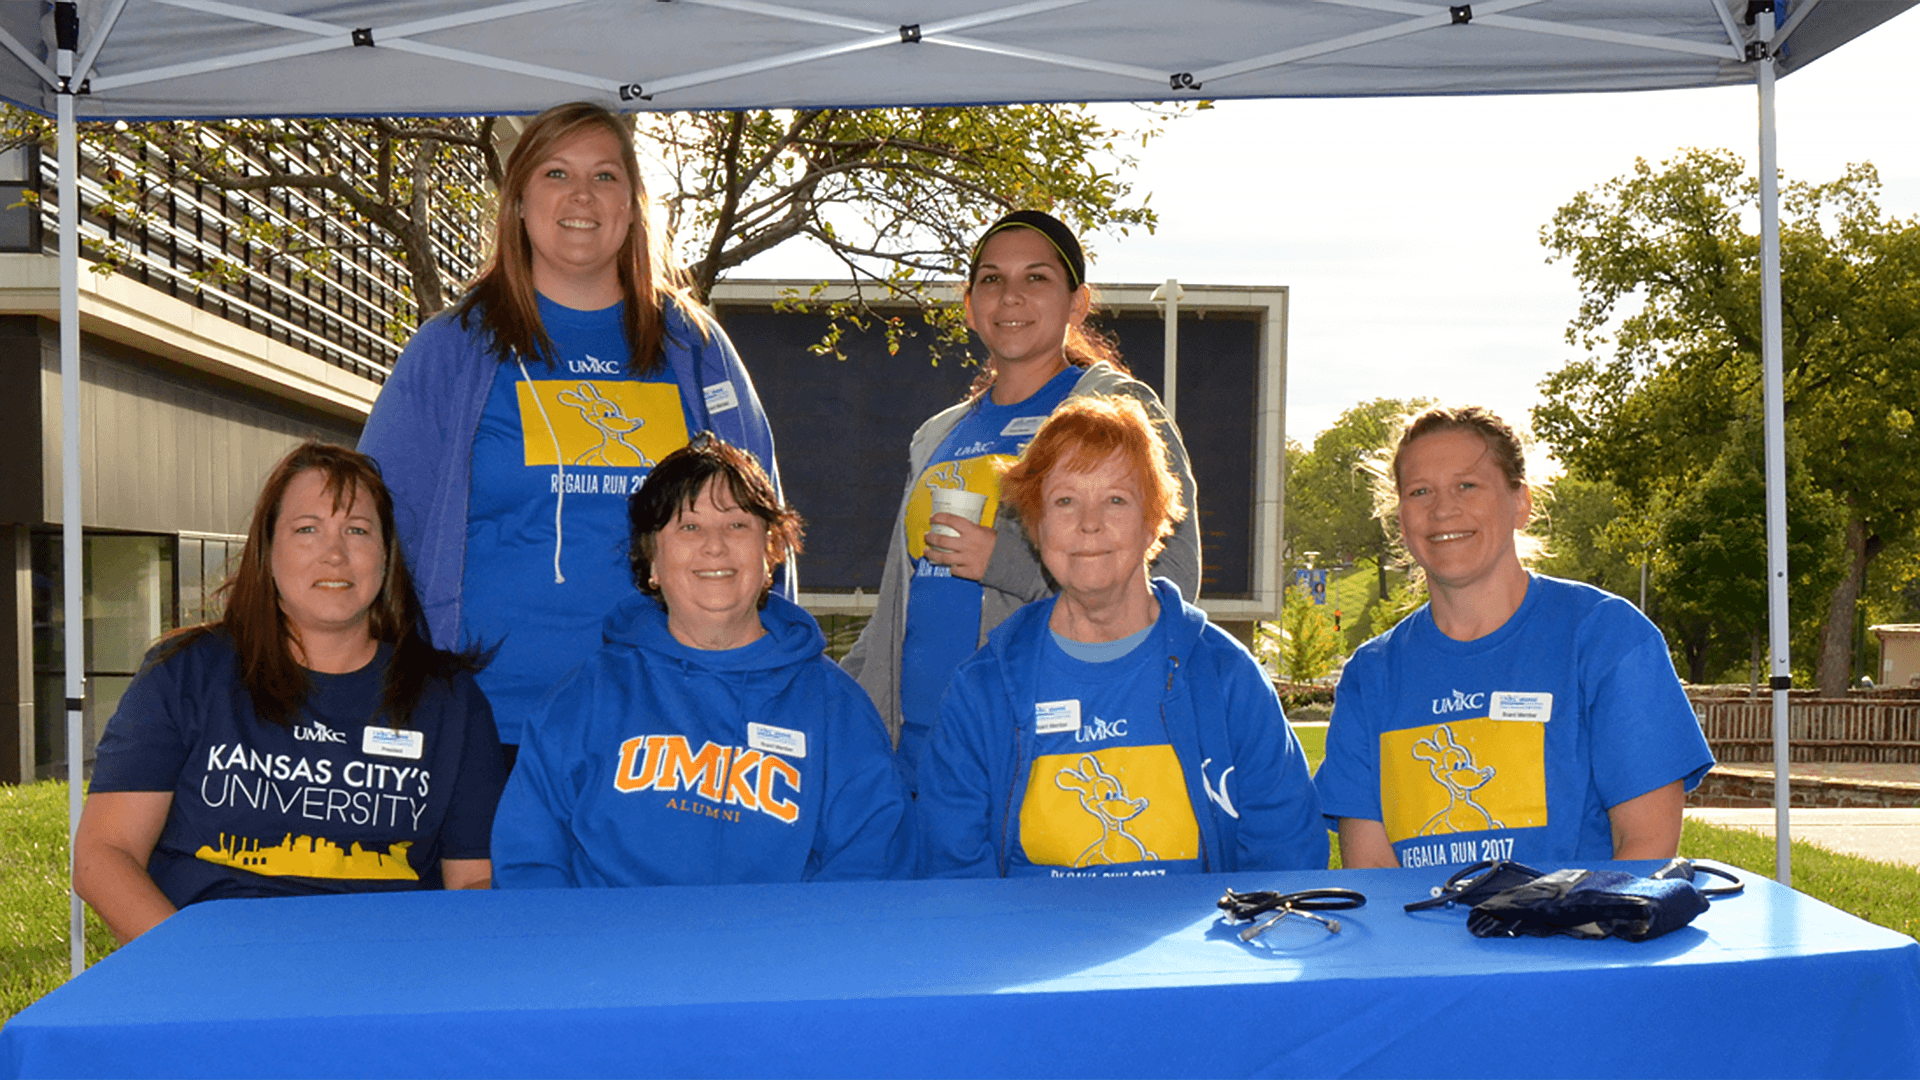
<point>515,424</point>
<point>950,579</point>
<point>1514,715</point>
<point>309,741</point>
<point>709,741</point>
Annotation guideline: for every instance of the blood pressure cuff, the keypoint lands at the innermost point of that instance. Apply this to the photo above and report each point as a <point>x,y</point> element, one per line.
<point>1598,903</point>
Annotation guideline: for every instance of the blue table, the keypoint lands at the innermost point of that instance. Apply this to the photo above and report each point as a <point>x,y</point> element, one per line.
<point>1077,978</point>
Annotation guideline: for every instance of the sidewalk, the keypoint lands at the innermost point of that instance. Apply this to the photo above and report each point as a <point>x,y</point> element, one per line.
<point>1882,834</point>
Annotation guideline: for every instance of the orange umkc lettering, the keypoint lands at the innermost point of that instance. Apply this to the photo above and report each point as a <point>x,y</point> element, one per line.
<point>739,787</point>
<point>626,777</point>
<point>721,774</point>
<point>771,767</point>
<point>682,768</point>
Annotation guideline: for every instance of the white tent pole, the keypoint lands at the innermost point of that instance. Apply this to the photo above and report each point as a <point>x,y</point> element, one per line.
<point>1776,421</point>
<point>72,570</point>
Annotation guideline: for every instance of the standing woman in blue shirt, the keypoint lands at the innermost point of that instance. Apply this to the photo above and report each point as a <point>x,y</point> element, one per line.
<point>949,581</point>
<point>514,425</point>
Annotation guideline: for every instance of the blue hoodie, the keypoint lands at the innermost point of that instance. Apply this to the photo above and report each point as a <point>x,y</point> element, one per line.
<point>1219,713</point>
<point>422,426</point>
<point>659,764</point>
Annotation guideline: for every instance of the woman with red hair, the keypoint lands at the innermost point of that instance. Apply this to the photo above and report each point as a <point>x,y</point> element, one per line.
<point>1110,730</point>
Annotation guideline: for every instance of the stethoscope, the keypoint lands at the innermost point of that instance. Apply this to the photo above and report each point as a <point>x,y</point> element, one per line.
<point>1248,906</point>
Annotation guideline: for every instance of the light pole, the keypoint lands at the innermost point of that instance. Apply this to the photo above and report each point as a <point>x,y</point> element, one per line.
<point>1168,297</point>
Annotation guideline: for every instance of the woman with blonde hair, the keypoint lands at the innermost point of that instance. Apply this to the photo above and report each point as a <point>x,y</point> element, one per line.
<point>949,580</point>
<point>515,424</point>
<point>1514,716</point>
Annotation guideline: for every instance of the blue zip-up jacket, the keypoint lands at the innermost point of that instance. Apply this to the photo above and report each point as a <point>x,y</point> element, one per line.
<point>659,764</point>
<point>1245,773</point>
<point>422,426</point>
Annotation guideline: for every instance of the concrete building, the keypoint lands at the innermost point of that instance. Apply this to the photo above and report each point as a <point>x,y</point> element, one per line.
<point>204,358</point>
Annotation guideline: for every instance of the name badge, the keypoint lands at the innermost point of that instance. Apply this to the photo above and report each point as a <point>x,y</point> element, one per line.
<point>1054,717</point>
<point>777,740</point>
<point>1023,425</point>
<point>720,397</point>
<point>392,742</point>
<point>1510,705</point>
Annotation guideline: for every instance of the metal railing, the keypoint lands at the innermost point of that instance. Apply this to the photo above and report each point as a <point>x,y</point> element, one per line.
<point>351,305</point>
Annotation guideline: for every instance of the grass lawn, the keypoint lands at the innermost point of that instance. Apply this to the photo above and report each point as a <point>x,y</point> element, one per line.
<point>33,895</point>
<point>33,882</point>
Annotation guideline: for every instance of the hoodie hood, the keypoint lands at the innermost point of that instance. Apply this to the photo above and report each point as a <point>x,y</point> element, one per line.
<point>1016,642</point>
<point>792,637</point>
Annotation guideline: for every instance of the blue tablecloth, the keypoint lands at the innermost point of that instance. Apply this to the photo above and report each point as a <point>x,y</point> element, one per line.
<point>1029,977</point>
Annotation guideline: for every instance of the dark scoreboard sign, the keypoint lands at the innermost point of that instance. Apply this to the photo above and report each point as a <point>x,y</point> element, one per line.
<point>842,427</point>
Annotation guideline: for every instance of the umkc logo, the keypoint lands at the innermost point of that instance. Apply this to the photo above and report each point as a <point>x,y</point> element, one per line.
<point>319,732</point>
<point>726,775</point>
<point>1101,731</point>
<point>1459,702</point>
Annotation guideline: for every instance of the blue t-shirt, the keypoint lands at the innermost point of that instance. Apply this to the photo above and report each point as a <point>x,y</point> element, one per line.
<point>610,429</point>
<point>333,803</point>
<point>943,611</point>
<point>1100,791</point>
<point>1512,746</point>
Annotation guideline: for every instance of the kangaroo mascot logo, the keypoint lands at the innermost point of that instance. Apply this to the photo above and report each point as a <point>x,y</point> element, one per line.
<point>613,425</point>
<point>1103,796</point>
<point>1452,767</point>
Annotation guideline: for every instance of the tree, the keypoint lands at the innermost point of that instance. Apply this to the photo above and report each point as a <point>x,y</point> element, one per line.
<point>895,194</point>
<point>1331,489</point>
<point>1304,646</point>
<point>1670,281</point>
<point>417,189</point>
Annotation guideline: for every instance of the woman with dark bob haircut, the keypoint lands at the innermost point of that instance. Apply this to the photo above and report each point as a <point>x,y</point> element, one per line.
<point>709,741</point>
<point>308,741</point>
<point>1514,715</point>
<point>1110,730</point>
<point>515,424</point>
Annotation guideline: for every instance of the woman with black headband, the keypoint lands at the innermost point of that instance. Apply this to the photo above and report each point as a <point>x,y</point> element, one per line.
<point>952,577</point>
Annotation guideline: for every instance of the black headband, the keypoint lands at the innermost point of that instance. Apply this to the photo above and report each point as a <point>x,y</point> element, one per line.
<point>1064,243</point>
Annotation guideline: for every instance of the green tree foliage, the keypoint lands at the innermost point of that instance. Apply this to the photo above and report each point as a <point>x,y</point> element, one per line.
<point>1590,535</point>
<point>1404,600</point>
<point>417,189</point>
<point>1331,488</point>
<point>1713,561</point>
<point>1669,273</point>
<point>895,194</point>
<point>1304,646</point>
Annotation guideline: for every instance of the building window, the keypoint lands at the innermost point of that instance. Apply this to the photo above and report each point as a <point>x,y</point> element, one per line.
<point>128,601</point>
<point>19,185</point>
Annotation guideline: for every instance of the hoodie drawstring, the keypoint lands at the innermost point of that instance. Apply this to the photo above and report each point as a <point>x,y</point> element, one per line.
<point>559,468</point>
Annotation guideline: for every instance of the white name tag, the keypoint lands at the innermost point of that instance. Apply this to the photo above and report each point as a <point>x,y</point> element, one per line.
<point>720,397</point>
<point>777,740</point>
<point>1054,717</point>
<point>1023,425</point>
<point>1511,705</point>
<point>392,742</point>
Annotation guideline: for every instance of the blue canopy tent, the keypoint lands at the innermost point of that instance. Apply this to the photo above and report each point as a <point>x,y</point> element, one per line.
<point>184,59</point>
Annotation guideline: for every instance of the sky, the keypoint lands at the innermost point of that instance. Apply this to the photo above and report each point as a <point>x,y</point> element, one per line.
<point>1407,230</point>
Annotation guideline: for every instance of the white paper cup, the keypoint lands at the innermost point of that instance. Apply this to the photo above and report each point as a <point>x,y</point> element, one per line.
<point>971,505</point>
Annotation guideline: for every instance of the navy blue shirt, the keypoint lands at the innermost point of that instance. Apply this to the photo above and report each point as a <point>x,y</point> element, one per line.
<point>336,802</point>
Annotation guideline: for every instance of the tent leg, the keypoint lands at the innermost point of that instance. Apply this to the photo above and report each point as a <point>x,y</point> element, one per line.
<point>1776,425</point>
<point>72,567</point>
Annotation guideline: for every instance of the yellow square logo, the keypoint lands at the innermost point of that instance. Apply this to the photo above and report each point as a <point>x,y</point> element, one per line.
<point>980,475</point>
<point>612,424</point>
<point>1463,776</point>
<point>1119,805</point>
